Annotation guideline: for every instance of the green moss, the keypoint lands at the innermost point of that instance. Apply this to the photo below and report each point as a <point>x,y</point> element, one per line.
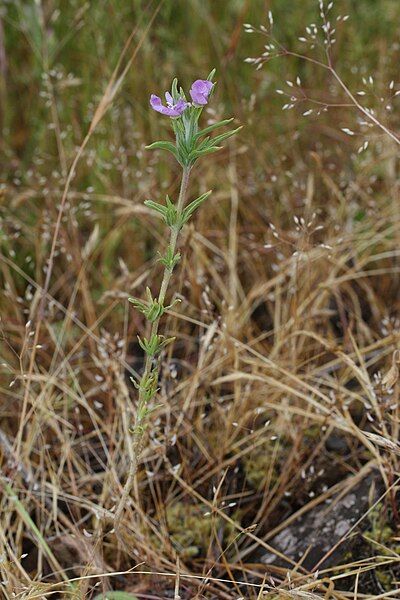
<point>313,432</point>
<point>257,464</point>
<point>190,528</point>
<point>381,532</point>
<point>385,578</point>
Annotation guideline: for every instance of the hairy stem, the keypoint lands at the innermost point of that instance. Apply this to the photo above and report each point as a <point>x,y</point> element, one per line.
<point>167,273</point>
<point>138,434</point>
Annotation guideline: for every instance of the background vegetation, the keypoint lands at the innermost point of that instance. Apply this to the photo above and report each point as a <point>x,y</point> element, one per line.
<point>275,399</point>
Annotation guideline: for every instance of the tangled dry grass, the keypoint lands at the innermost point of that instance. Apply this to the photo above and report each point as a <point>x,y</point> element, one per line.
<point>279,396</point>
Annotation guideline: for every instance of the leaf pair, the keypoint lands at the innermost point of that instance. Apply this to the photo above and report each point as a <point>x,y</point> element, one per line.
<point>187,151</point>
<point>168,211</point>
<point>172,218</point>
<point>169,260</point>
<point>151,308</point>
<point>147,386</point>
<point>155,344</point>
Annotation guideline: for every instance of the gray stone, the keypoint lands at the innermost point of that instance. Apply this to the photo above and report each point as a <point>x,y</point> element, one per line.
<point>313,535</point>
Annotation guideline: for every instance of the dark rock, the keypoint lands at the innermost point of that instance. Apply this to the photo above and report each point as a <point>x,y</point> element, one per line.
<point>337,443</point>
<point>315,534</point>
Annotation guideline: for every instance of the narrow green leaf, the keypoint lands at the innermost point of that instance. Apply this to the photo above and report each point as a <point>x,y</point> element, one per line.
<point>139,304</point>
<point>182,93</point>
<point>157,207</point>
<point>169,146</point>
<point>214,126</point>
<point>197,153</point>
<point>224,136</point>
<point>178,127</point>
<point>211,75</point>
<point>204,143</point>
<point>189,210</point>
<point>174,89</point>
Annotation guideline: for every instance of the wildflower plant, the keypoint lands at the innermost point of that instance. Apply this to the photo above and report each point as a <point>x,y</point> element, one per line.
<point>191,143</point>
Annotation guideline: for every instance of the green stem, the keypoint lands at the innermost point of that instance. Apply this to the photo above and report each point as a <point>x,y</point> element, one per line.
<point>167,273</point>
<point>137,441</point>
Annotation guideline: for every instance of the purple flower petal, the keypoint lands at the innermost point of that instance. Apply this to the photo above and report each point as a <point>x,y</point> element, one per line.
<point>200,91</point>
<point>202,85</point>
<point>181,105</point>
<point>172,110</point>
<point>155,102</point>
